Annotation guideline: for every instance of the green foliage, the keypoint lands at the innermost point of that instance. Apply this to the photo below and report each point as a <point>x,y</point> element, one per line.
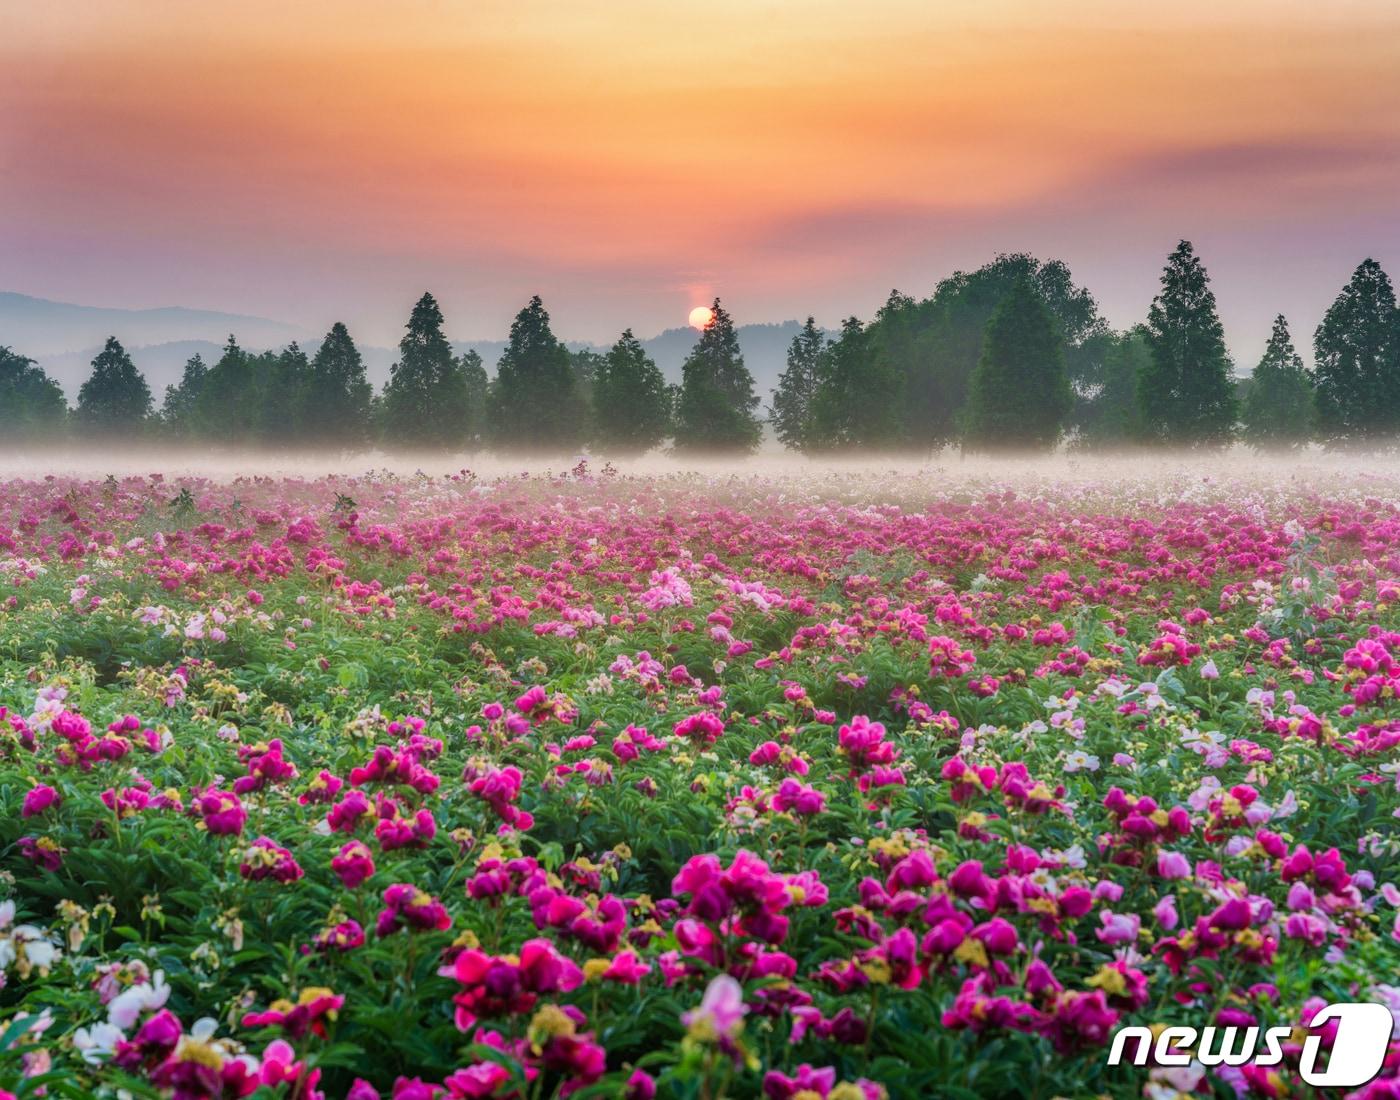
<point>115,399</point>
<point>716,410</point>
<point>427,401</point>
<point>178,411</point>
<point>856,403</point>
<point>1020,394</point>
<point>1356,361</point>
<point>535,403</point>
<point>932,347</point>
<point>631,405</point>
<point>336,402</point>
<point>1106,412</point>
<point>32,404</point>
<point>1186,391</point>
<point>791,414</point>
<point>224,409</point>
<point>1278,406</point>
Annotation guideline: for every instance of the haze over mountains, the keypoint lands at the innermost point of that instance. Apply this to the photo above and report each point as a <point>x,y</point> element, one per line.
<point>63,338</point>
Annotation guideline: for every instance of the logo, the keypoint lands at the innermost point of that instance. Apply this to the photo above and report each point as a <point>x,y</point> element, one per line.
<point>1363,1036</point>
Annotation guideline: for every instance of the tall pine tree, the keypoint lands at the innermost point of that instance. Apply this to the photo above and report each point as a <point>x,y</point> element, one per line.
<point>1356,362</point>
<point>426,399</point>
<point>631,407</point>
<point>115,399</point>
<point>1187,392</point>
<point>1019,395</point>
<point>337,399</point>
<point>1278,405</point>
<point>791,414</point>
<point>535,403</point>
<point>716,409</point>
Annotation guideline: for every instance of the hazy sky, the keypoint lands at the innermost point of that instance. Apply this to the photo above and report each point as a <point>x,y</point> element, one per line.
<point>316,160</point>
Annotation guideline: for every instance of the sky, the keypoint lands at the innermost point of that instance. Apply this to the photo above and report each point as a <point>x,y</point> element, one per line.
<point>629,159</point>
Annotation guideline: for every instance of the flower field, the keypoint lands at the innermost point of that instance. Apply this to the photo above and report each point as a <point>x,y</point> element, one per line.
<point>688,786</point>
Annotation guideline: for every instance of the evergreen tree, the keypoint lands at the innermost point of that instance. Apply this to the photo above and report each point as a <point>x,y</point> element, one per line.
<point>791,414</point>
<point>631,405</point>
<point>337,398</point>
<point>1187,392</point>
<point>1356,361</point>
<point>226,409</point>
<point>32,405</point>
<point>1106,412</point>
<point>281,387</point>
<point>535,401</point>
<point>477,387</point>
<point>716,410</point>
<point>1278,405</point>
<point>857,397</point>
<point>586,364</point>
<point>115,398</point>
<point>177,412</point>
<point>426,399</point>
<point>1020,393</point>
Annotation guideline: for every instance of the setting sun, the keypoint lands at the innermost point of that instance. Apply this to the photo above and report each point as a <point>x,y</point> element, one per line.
<point>701,316</point>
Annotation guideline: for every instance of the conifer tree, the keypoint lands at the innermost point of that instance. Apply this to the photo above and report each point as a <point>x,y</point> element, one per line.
<point>337,399</point>
<point>115,398</point>
<point>225,408</point>
<point>791,414</point>
<point>1019,395</point>
<point>425,400</point>
<point>1187,392</point>
<point>177,411</point>
<point>535,402</point>
<point>281,381</point>
<point>716,409</point>
<point>1356,361</point>
<point>477,388</point>
<point>857,396</point>
<point>1278,406</point>
<point>631,406</point>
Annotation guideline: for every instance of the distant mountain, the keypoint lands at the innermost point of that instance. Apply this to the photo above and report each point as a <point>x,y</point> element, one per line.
<point>38,327</point>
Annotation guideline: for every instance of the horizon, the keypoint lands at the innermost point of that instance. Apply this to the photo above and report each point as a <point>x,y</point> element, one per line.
<point>631,165</point>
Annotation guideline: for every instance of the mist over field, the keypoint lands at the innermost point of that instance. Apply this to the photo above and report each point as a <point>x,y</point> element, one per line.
<point>950,474</point>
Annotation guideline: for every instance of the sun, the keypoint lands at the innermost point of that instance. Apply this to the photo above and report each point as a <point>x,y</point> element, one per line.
<point>701,316</point>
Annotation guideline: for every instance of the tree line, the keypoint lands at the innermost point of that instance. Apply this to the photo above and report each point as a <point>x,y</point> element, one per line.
<point>1012,356</point>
